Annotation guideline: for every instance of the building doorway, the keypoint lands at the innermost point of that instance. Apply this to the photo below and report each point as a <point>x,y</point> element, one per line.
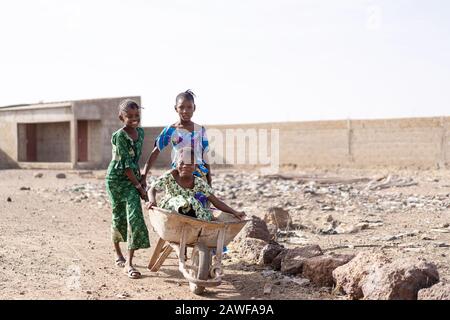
<point>44,142</point>
<point>82,140</point>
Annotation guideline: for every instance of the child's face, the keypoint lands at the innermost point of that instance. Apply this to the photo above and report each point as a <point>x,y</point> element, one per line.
<point>131,118</point>
<point>185,169</point>
<point>185,109</point>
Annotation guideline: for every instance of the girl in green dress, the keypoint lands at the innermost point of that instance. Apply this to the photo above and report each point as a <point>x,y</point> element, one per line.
<point>124,188</point>
<point>181,186</point>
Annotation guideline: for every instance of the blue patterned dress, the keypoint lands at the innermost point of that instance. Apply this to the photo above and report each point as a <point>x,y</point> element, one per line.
<point>180,138</point>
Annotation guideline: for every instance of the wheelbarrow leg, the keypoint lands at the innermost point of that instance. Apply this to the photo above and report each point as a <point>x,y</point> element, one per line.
<point>161,259</point>
<point>156,252</point>
<point>220,242</point>
<point>165,253</point>
<point>182,255</point>
<point>216,269</point>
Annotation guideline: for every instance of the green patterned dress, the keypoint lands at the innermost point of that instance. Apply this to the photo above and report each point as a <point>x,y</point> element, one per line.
<point>181,199</point>
<point>127,218</point>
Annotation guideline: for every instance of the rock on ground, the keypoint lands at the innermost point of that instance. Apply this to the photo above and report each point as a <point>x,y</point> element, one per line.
<point>278,217</point>
<point>319,269</point>
<point>254,244</point>
<point>273,231</point>
<point>256,228</point>
<point>400,280</point>
<point>372,275</point>
<point>349,277</point>
<point>292,262</point>
<point>440,291</point>
<point>276,262</point>
<point>270,252</point>
<point>249,250</point>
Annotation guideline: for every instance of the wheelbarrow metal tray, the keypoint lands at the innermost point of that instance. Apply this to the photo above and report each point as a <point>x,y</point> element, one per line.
<point>169,226</point>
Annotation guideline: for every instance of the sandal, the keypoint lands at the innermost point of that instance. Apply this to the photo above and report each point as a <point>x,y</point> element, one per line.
<point>132,273</point>
<point>120,262</point>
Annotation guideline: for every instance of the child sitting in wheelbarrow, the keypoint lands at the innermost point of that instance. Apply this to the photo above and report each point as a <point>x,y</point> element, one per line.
<point>182,189</point>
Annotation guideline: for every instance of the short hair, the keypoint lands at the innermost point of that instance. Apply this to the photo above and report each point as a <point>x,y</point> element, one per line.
<point>127,104</point>
<point>188,95</point>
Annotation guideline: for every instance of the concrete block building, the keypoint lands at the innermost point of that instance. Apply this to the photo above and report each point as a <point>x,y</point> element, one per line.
<point>70,134</point>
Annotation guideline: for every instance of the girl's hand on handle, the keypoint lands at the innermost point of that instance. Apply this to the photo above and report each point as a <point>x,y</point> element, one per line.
<point>143,180</point>
<point>150,204</point>
<point>144,183</point>
<point>142,192</point>
<point>240,215</point>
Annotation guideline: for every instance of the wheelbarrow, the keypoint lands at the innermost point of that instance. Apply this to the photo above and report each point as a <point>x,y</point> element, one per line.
<point>177,232</point>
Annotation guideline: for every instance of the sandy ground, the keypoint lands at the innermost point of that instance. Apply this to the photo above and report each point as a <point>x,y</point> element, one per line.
<point>55,246</point>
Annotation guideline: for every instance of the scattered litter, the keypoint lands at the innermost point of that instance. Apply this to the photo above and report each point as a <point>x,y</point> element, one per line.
<point>267,288</point>
<point>300,281</point>
<point>441,230</point>
<point>122,295</point>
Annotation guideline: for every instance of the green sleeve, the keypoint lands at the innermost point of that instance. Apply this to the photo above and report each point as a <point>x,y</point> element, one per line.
<point>125,152</point>
<point>141,132</point>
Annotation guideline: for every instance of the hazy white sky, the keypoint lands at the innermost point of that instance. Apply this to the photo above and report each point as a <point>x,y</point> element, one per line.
<point>247,60</point>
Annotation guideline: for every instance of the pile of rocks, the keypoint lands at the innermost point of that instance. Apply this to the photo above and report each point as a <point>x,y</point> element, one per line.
<point>256,244</point>
<point>368,275</point>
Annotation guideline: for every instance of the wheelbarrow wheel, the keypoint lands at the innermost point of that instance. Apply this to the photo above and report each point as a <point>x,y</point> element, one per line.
<point>203,261</point>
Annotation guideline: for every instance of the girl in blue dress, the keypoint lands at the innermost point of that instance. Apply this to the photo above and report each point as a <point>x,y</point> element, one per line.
<point>182,134</point>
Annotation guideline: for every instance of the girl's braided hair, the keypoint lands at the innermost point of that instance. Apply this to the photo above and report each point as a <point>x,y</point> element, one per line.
<point>126,104</point>
<point>188,95</point>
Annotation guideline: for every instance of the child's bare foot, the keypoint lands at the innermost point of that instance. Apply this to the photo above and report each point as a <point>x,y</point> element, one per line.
<point>120,262</point>
<point>132,272</point>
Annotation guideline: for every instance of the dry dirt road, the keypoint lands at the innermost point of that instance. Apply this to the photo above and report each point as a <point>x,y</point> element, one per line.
<point>55,244</point>
<point>55,248</point>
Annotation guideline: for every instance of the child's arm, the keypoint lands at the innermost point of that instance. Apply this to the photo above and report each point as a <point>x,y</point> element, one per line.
<point>152,196</point>
<point>225,208</point>
<point>129,173</point>
<point>208,175</point>
<point>151,160</point>
<point>208,167</point>
<point>161,142</point>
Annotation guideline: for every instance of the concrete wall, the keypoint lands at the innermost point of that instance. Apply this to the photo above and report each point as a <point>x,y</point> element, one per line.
<point>95,143</point>
<point>413,142</point>
<point>21,142</point>
<point>53,142</point>
<point>163,160</point>
<point>8,144</point>
<point>407,142</point>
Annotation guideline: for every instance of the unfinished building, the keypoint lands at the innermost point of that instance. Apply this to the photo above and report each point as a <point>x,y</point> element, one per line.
<point>70,134</point>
